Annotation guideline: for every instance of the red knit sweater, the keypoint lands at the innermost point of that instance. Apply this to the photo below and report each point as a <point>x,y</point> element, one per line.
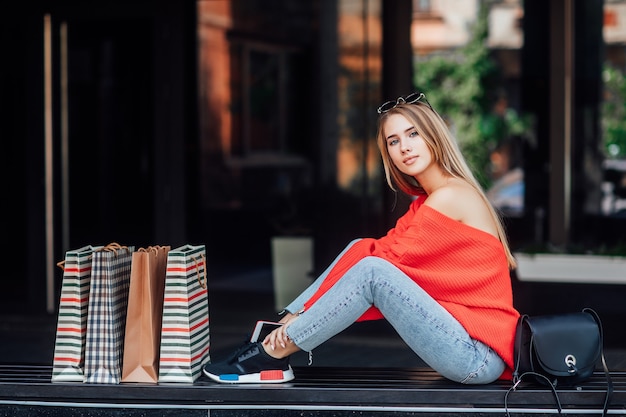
<point>463,268</point>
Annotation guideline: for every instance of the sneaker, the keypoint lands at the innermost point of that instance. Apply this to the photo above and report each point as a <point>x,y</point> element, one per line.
<point>250,364</point>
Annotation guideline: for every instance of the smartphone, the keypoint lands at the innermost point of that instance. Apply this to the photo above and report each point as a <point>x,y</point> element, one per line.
<point>262,329</point>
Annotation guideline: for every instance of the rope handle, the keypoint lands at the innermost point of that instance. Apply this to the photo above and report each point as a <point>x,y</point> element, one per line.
<point>153,249</point>
<point>112,247</point>
<point>61,264</point>
<point>199,276</point>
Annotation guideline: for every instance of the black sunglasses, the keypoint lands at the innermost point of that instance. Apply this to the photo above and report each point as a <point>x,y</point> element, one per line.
<point>410,99</point>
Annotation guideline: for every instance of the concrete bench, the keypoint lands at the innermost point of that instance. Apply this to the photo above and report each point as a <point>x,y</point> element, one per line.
<point>316,391</point>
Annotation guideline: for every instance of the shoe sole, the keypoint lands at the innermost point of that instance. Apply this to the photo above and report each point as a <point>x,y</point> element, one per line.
<point>265,377</point>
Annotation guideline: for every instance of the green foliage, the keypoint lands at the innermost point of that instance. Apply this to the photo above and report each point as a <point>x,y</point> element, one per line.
<point>614,112</point>
<point>460,87</point>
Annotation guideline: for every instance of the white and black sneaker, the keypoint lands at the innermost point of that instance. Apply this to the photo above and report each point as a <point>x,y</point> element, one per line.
<point>250,364</point>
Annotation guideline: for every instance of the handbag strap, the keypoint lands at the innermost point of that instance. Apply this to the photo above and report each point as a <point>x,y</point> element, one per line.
<point>517,378</point>
<point>518,344</point>
<point>607,374</point>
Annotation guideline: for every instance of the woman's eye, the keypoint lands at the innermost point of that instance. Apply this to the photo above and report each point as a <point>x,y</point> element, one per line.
<point>413,134</point>
<point>392,142</point>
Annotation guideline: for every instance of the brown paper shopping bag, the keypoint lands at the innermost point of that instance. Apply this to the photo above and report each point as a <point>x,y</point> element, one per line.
<point>143,320</point>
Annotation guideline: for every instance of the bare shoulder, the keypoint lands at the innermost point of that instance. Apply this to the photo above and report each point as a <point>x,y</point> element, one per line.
<point>460,201</point>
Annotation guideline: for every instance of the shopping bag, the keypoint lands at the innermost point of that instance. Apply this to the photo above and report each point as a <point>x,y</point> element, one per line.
<point>143,320</point>
<point>185,328</point>
<point>69,345</point>
<point>106,318</point>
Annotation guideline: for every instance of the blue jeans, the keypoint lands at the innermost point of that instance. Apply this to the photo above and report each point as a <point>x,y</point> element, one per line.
<point>429,330</point>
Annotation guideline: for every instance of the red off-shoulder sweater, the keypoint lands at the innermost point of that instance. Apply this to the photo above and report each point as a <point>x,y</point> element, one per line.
<point>463,268</point>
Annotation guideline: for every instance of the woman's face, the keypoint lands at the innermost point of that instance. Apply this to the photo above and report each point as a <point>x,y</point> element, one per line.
<point>408,151</point>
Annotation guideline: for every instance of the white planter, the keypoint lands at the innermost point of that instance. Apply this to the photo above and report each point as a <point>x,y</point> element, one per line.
<point>569,268</point>
<point>292,262</point>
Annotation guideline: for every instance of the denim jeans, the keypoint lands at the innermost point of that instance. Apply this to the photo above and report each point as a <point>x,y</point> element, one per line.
<point>429,330</point>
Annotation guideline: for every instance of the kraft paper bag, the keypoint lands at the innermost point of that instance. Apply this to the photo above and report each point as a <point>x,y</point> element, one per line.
<point>143,320</point>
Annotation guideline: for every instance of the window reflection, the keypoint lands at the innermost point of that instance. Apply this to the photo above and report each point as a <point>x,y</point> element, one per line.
<point>467,61</point>
<point>613,110</point>
<point>253,99</point>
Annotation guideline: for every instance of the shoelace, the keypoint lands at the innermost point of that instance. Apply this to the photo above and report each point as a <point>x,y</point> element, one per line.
<point>247,345</point>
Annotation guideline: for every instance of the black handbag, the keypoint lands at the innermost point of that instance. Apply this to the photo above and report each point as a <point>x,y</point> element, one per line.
<point>559,350</point>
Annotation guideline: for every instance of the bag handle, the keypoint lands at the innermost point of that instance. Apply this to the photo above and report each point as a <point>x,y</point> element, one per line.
<point>152,249</point>
<point>61,264</point>
<point>202,284</point>
<point>112,247</point>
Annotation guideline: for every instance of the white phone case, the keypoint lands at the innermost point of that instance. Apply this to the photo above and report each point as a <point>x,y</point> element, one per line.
<point>262,329</point>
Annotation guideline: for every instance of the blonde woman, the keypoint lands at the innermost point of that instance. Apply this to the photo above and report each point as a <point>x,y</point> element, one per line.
<point>440,276</point>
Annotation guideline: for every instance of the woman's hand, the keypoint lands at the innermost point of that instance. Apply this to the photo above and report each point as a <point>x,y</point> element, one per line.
<point>278,337</point>
<point>286,317</point>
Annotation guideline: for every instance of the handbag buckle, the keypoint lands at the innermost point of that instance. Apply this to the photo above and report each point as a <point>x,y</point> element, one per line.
<point>570,361</point>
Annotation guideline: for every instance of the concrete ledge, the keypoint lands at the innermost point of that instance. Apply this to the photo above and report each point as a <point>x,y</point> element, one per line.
<point>570,268</point>
<point>316,391</point>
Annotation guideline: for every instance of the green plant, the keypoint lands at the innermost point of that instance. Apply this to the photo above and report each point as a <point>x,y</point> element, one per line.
<point>460,86</point>
<point>613,111</point>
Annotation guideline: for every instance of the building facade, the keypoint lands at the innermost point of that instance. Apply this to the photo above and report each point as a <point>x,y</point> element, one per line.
<point>228,122</point>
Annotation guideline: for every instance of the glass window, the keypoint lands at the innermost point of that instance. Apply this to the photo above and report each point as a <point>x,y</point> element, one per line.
<point>467,61</point>
<point>613,110</point>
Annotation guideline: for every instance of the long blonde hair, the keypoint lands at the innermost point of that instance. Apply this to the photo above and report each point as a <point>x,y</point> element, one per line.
<point>439,140</point>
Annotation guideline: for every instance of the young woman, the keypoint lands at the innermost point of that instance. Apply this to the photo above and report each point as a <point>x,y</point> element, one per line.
<point>440,276</point>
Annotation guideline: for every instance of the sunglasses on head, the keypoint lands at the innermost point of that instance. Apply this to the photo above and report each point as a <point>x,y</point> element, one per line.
<point>410,99</point>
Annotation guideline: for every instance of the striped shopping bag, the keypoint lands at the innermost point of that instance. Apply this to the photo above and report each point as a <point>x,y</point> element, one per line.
<point>185,325</point>
<point>106,319</point>
<point>69,345</point>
